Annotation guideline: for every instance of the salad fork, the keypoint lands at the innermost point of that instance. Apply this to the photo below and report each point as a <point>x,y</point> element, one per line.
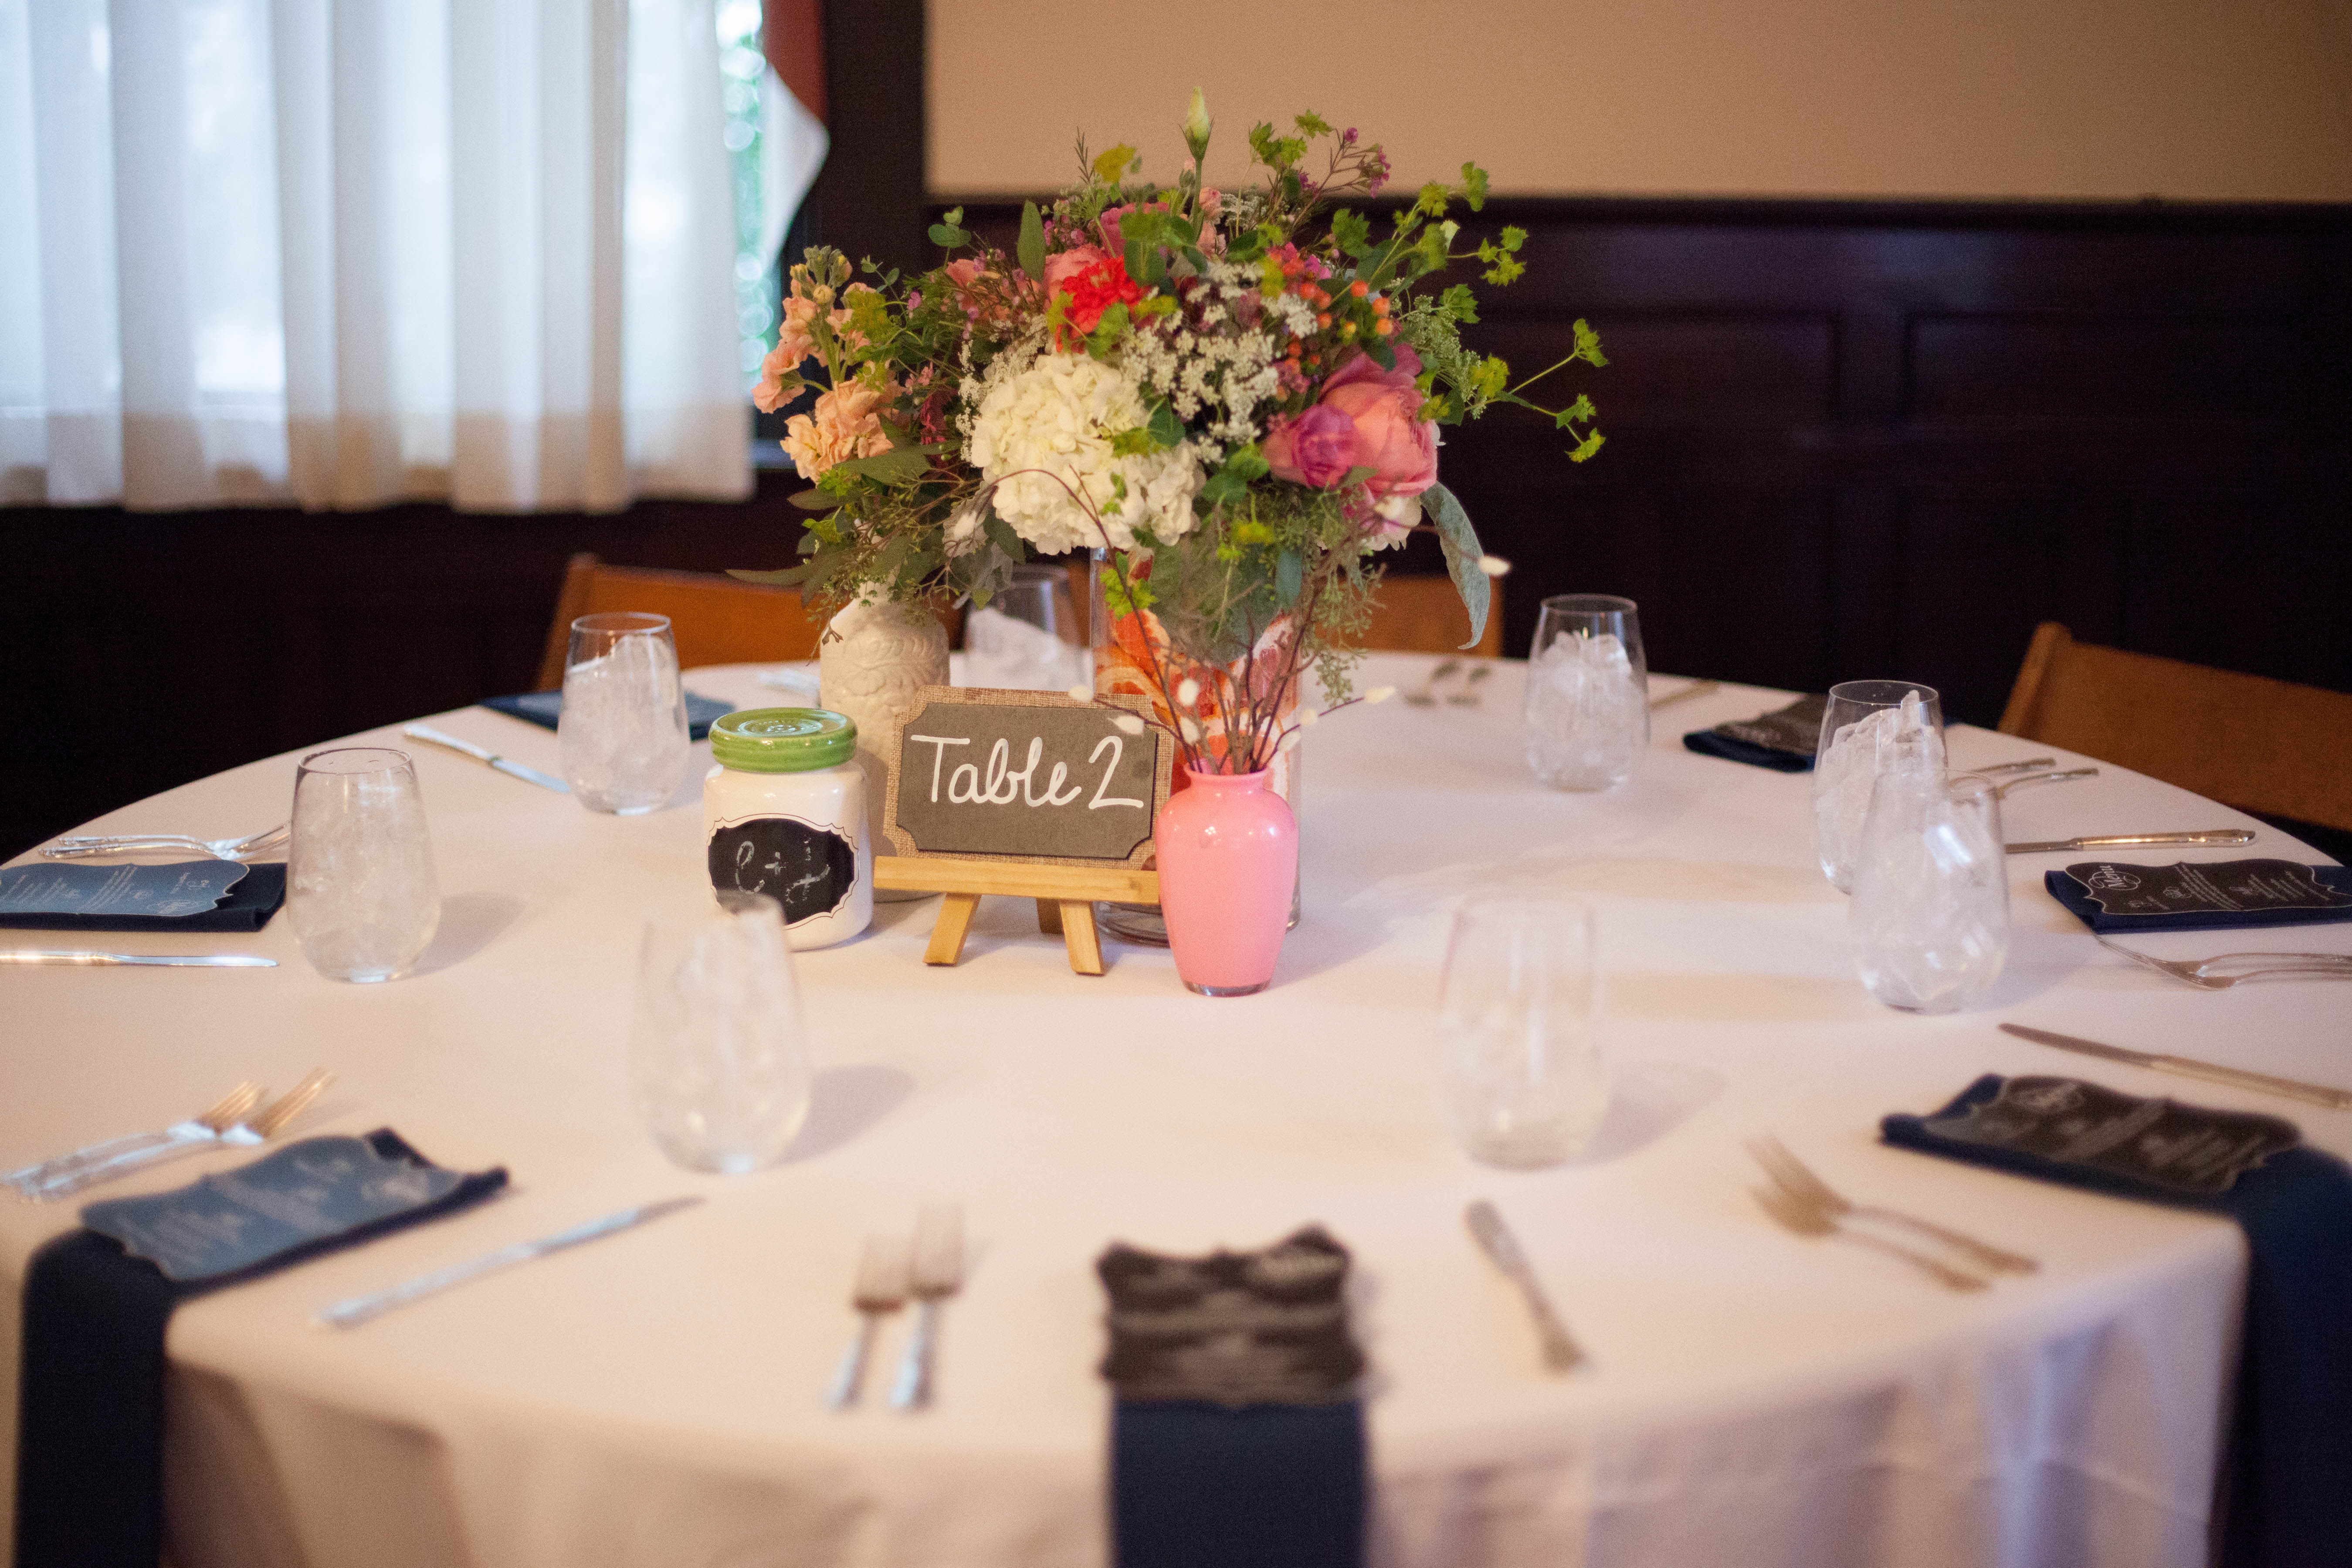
<point>1796,1179</point>
<point>1427,695</point>
<point>2195,969</point>
<point>2000,792</point>
<point>1794,1216</point>
<point>239,849</point>
<point>880,1290</point>
<point>205,1127</point>
<point>937,1274</point>
<point>250,1132</point>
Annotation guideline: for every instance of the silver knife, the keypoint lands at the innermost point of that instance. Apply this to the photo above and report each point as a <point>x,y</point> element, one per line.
<point>162,960</point>
<point>2118,840</point>
<point>432,737</point>
<point>1485,1222</point>
<point>359,1309</point>
<point>2189,1066</point>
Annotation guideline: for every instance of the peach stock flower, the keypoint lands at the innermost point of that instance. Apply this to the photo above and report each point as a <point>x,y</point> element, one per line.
<point>846,424</point>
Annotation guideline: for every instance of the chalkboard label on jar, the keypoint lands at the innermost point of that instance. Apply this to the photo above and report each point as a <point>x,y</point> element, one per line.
<point>807,868</point>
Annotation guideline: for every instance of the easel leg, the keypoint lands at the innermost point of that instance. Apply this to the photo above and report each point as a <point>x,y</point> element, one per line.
<point>1076,919</point>
<point>1049,917</point>
<point>955,921</point>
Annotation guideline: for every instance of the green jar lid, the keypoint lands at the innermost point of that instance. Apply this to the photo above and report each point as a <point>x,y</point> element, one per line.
<point>783,740</point>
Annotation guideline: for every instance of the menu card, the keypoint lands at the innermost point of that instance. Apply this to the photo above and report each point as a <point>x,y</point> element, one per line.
<point>168,891</point>
<point>2118,896</point>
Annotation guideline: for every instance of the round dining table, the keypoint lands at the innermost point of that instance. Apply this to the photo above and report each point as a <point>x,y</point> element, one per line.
<point>655,1400</point>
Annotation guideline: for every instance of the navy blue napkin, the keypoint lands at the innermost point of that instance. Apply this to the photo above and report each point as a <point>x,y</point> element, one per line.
<point>544,708</point>
<point>1783,739</point>
<point>2290,1458</point>
<point>1236,1437</point>
<point>259,894</point>
<point>89,1434</point>
<point>2081,889</point>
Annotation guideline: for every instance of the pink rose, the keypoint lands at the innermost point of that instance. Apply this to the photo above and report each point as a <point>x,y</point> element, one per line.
<point>1368,418</point>
<point>1062,267</point>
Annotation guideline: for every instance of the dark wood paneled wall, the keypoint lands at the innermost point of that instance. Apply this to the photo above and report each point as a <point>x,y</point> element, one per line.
<point>1844,440</point>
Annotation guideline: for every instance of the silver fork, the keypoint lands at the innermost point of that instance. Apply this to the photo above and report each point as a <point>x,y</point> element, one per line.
<point>938,1274</point>
<point>2196,969</point>
<point>2191,974</point>
<point>250,1132</point>
<point>1468,696</point>
<point>2000,792</point>
<point>205,1127</point>
<point>1795,1178</point>
<point>1792,1215</point>
<point>239,849</point>
<point>2027,766</point>
<point>880,1290</point>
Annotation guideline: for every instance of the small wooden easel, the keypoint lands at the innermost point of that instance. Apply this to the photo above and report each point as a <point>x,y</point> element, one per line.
<point>1065,896</point>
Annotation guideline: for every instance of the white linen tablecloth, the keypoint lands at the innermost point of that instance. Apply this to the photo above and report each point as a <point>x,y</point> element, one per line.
<point>652,1400</point>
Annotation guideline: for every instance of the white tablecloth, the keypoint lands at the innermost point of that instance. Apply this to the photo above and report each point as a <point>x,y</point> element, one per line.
<point>652,1400</point>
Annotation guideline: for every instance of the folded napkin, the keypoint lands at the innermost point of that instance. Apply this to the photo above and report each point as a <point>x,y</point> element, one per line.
<point>90,1441</point>
<point>1783,739</point>
<point>1236,1438</point>
<point>2116,896</point>
<point>2290,1448</point>
<point>257,894</point>
<point>544,708</point>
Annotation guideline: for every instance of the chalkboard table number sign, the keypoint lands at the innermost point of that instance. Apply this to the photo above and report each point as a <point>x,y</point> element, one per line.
<point>1022,793</point>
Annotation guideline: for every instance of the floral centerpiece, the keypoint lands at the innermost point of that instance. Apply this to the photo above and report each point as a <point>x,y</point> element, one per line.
<point>1235,395</point>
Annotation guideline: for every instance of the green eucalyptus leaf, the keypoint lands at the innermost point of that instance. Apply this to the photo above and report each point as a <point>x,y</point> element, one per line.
<point>815,501</point>
<point>899,466</point>
<point>1289,577</point>
<point>1033,241</point>
<point>947,237</point>
<point>1462,551</point>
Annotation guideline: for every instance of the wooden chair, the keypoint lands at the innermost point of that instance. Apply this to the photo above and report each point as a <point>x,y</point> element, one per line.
<point>2264,746</point>
<point>1424,614</point>
<point>715,619</point>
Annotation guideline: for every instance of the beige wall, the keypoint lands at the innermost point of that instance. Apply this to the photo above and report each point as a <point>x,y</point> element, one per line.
<point>2191,100</point>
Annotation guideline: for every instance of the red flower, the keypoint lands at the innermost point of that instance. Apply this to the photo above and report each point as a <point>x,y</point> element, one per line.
<point>1096,289</point>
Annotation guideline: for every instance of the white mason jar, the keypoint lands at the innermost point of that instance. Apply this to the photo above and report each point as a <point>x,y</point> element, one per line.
<point>784,814</point>
<point>875,660</point>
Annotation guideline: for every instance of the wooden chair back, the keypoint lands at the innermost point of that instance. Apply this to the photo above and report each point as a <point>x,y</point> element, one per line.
<point>714,618</point>
<point>1424,614</point>
<point>2259,744</point>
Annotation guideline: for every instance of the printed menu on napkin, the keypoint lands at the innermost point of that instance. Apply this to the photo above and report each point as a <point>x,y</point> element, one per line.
<point>1783,739</point>
<point>2114,895</point>
<point>193,896</point>
<point>546,708</point>
<point>2290,1446</point>
<point>1236,1437</point>
<point>98,1301</point>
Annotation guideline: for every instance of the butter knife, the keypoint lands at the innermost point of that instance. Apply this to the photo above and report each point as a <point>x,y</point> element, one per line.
<point>358,1309</point>
<point>432,737</point>
<point>2118,840</point>
<point>161,960</point>
<point>2189,1066</point>
<point>1495,1238</point>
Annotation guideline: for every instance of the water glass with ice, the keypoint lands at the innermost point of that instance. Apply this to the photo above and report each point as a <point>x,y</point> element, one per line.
<point>1028,637</point>
<point>361,888</point>
<point>1586,720</point>
<point>1929,920</point>
<point>622,734</point>
<point>1520,1018</point>
<point>719,1063</point>
<point>1869,727</point>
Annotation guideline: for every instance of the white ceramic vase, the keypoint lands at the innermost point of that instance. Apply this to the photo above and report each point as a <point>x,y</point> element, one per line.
<point>875,659</point>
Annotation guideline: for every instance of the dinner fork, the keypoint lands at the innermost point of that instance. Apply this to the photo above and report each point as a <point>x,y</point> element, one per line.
<point>2027,766</point>
<point>1468,696</point>
<point>938,1274</point>
<point>239,849</point>
<point>2000,792</point>
<point>1792,1215</point>
<point>1796,1179</point>
<point>880,1290</point>
<point>2195,969</point>
<point>205,1127</point>
<point>1427,695</point>
<point>250,1132</point>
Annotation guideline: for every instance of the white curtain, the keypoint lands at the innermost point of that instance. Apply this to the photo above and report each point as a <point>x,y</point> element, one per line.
<point>350,252</point>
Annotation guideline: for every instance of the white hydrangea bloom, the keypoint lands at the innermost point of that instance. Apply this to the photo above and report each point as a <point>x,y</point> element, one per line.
<point>1046,431</point>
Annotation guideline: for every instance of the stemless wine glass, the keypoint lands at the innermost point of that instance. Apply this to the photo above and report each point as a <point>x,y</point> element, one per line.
<point>1869,727</point>
<point>1586,719</point>
<point>1521,1016</point>
<point>361,888</point>
<point>1929,921</point>
<point>623,730</point>
<point>718,1061</point>
<point>1029,636</point>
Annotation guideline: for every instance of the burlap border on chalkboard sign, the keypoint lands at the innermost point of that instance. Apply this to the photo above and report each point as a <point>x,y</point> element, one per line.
<point>902,843</point>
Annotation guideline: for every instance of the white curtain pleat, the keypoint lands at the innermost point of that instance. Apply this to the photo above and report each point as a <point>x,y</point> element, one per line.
<point>350,252</point>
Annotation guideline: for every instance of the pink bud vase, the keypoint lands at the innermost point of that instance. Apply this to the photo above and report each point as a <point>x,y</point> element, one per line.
<point>1228,854</point>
